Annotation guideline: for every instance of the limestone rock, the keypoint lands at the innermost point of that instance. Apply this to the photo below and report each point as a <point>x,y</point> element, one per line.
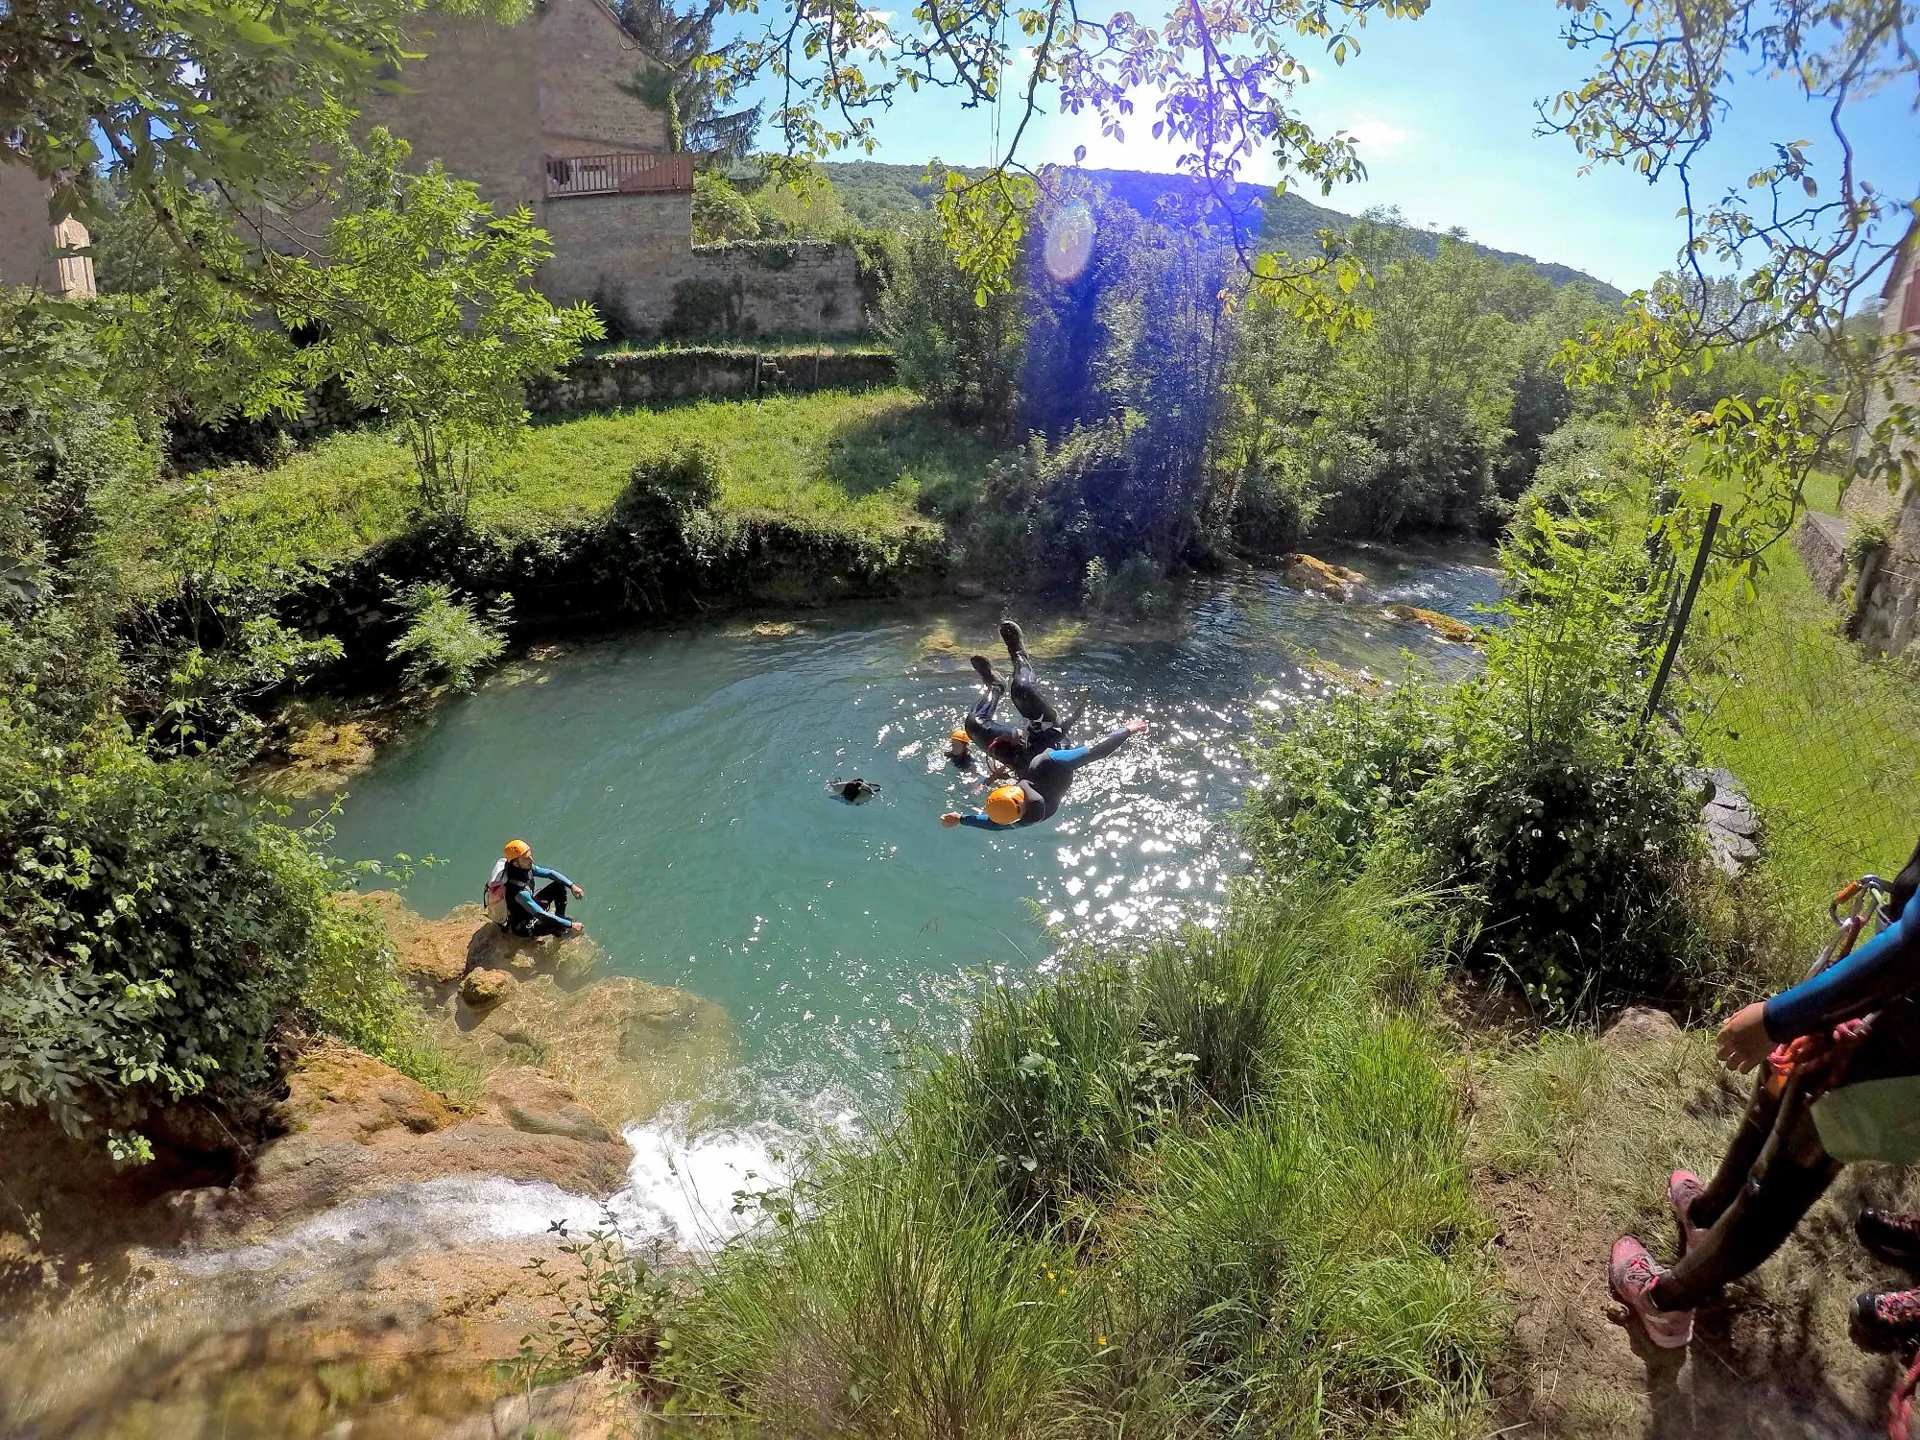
<point>534,1102</point>
<point>1728,820</point>
<point>396,1346</point>
<point>1305,572</point>
<point>1456,632</point>
<point>624,1046</point>
<point>354,1125</point>
<point>1638,1025</point>
<point>438,954</point>
<point>480,988</point>
<point>435,953</point>
<point>587,1407</point>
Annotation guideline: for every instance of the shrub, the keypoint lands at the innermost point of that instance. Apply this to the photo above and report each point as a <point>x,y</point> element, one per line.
<point>1568,830</point>
<point>444,643</point>
<point>1138,587</point>
<point>720,212</point>
<point>955,344</point>
<point>153,930</point>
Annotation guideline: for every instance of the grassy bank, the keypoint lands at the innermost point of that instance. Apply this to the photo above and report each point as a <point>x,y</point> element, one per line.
<point>1217,1188</point>
<point>859,463</point>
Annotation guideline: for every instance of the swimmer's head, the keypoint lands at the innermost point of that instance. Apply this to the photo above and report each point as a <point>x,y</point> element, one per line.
<point>1006,805</point>
<point>958,745</point>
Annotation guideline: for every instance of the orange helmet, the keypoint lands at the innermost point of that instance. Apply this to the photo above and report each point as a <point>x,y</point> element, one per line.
<point>959,737</point>
<point>1006,805</point>
<point>518,850</point>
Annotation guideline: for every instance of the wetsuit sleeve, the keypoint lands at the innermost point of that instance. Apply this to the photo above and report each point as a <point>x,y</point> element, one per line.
<point>1080,754</point>
<point>981,822</point>
<point>541,872</point>
<point>1885,967</point>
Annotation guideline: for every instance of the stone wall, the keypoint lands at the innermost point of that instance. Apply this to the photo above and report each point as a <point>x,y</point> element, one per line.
<point>769,288</point>
<point>1822,542</point>
<point>585,58</point>
<point>472,102</point>
<point>629,255</point>
<point>33,250</point>
<point>654,377</point>
<point>1886,592</point>
<point>492,101</point>
<point>622,252</point>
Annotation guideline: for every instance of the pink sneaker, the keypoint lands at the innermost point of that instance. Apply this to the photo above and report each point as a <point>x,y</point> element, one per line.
<point>1683,1188</point>
<point>1631,1274</point>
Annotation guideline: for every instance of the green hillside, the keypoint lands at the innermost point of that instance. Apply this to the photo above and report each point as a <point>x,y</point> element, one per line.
<point>886,195</point>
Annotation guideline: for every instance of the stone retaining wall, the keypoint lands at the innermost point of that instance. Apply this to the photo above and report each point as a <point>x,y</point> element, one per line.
<point>628,255</point>
<point>1822,541</point>
<point>653,377</point>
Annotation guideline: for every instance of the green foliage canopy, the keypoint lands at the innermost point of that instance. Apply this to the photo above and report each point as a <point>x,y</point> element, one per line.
<point>431,316</point>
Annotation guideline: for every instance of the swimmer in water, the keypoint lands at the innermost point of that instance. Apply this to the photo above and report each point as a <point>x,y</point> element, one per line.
<point>852,792</point>
<point>960,749</point>
<point>1037,794</point>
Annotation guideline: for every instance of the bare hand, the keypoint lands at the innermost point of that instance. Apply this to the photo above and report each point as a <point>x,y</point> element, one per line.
<point>1135,727</point>
<point>578,928</point>
<point>578,893</point>
<point>1743,1041</point>
<point>950,819</point>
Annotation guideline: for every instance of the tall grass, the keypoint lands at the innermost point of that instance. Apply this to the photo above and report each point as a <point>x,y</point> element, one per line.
<point>1216,1188</point>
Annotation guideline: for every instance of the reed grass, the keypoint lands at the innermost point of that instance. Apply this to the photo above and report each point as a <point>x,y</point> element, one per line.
<point>1217,1187</point>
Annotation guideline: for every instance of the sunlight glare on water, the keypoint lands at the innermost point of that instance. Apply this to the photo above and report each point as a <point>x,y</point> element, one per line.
<point>680,776</point>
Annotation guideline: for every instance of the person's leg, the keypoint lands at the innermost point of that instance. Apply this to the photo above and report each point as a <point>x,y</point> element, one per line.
<point>1748,1141</point>
<point>982,727</point>
<point>1028,698</point>
<point>1791,1172</point>
<point>553,895</point>
<point>1776,1167</point>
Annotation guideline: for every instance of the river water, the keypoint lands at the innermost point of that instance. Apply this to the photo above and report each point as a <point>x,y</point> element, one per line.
<point>679,776</point>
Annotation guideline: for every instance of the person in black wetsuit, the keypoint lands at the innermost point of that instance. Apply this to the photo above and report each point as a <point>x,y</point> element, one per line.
<point>1037,794</point>
<point>1016,746</point>
<point>1778,1165</point>
<point>536,897</point>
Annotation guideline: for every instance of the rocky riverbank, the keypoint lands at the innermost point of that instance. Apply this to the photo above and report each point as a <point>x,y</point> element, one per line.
<point>363,1263</point>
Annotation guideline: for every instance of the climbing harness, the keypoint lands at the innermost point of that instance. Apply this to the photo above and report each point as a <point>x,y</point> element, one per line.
<point>1819,1061</point>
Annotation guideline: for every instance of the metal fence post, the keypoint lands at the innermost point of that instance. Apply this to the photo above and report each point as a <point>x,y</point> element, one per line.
<point>1680,620</point>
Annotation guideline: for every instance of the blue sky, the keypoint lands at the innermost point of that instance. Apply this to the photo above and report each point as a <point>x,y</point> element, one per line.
<point>1444,109</point>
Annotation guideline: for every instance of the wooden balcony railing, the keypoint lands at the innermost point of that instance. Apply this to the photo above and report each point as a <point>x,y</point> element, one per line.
<point>623,174</point>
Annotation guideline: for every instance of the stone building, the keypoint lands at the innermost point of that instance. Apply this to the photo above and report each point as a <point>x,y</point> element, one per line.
<point>543,114</point>
<point>34,250</point>
<point>1880,583</point>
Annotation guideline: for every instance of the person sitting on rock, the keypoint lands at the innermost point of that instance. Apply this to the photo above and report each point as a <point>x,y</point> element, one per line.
<point>1017,746</point>
<point>1037,795</point>
<point>516,905</point>
<point>1826,1040</point>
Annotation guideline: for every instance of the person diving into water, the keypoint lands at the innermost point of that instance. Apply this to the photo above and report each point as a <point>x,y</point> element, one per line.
<point>1036,795</point>
<point>1017,746</point>
<point>514,904</point>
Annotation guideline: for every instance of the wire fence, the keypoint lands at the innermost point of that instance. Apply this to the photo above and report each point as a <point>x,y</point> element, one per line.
<point>1824,736</point>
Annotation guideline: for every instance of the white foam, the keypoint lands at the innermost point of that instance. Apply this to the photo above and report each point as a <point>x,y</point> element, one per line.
<point>443,1212</point>
<point>688,1188</point>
